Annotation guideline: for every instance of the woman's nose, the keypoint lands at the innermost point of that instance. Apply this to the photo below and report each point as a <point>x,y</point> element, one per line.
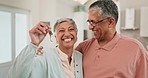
<point>67,33</point>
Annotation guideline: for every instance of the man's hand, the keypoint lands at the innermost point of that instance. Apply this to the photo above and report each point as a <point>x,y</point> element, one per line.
<point>40,50</point>
<point>38,33</point>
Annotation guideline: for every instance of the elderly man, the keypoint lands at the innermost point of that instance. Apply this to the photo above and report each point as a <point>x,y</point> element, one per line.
<point>109,54</point>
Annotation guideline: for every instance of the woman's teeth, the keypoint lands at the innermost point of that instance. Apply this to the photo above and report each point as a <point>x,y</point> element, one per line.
<point>67,40</point>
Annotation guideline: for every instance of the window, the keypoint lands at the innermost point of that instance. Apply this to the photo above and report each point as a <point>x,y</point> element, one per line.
<point>5,33</point>
<point>20,32</point>
<point>13,32</point>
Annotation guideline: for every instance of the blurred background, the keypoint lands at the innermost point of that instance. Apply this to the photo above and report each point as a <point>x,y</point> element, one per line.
<point>18,16</point>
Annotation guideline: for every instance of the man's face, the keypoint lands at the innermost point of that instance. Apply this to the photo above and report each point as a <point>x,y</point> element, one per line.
<point>98,24</point>
<point>66,35</point>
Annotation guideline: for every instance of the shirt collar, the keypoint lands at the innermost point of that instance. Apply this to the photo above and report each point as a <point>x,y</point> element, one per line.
<point>110,45</point>
<point>62,55</point>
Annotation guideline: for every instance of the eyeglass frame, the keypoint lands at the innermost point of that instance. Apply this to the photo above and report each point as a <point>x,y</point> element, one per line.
<point>93,23</point>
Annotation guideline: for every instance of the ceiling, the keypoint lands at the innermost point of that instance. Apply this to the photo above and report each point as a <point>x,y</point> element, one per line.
<point>82,1</point>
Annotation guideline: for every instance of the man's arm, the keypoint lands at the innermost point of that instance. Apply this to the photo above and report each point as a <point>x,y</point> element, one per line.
<point>142,66</point>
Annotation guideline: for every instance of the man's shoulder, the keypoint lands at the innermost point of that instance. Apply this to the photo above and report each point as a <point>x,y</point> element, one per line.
<point>131,41</point>
<point>83,46</point>
<point>88,41</point>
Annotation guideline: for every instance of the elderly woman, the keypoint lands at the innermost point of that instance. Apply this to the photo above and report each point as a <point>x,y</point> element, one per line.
<point>60,62</point>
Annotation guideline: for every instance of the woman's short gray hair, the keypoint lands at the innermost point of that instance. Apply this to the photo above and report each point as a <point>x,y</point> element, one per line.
<point>58,22</point>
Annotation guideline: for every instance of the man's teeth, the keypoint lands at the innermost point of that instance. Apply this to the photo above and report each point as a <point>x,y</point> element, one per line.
<point>67,40</point>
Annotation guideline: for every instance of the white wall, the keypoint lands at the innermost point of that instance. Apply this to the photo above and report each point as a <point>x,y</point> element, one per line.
<point>65,8</point>
<point>143,22</point>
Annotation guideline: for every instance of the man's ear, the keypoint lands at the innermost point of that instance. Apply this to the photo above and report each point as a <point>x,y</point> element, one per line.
<point>111,23</point>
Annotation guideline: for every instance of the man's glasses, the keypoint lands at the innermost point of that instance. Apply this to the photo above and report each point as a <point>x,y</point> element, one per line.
<point>93,23</point>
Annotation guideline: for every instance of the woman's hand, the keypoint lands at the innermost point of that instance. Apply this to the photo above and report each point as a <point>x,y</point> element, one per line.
<point>38,33</point>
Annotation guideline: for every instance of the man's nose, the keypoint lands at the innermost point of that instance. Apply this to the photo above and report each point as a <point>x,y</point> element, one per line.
<point>91,27</point>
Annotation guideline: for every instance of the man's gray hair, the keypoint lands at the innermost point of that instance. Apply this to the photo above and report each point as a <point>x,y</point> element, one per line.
<point>107,8</point>
<point>57,24</point>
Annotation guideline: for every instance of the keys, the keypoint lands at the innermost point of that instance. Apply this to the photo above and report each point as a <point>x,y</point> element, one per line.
<point>50,32</point>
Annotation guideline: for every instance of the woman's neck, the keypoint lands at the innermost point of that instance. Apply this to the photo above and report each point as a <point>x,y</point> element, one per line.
<point>67,51</point>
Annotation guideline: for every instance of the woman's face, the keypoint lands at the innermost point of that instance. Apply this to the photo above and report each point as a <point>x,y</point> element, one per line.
<point>66,35</point>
